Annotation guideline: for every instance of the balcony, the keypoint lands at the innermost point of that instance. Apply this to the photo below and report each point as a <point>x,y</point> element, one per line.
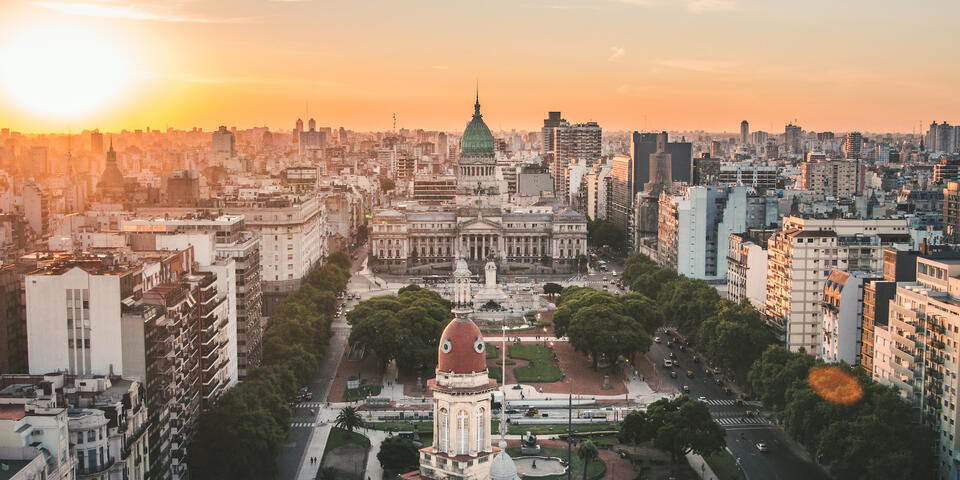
<point>83,472</point>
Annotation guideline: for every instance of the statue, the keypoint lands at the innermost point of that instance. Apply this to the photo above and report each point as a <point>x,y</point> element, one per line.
<point>490,272</point>
<point>528,444</point>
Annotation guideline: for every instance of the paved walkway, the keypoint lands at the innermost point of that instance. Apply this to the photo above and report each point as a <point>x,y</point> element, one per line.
<point>699,465</point>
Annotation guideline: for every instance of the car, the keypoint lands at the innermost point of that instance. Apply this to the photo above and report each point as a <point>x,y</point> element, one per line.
<point>739,402</point>
<point>673,374</point>
<point>657,340</point>
<point>669,344</point>
<point>683,348</point>
<point>696,359</point>
<point>673,355</point>
<point>761,447</point>
<point>667,362</point>
<point>689,373</point>
<point>702,399</point>
<point>686,389</point>
<point>676,363</point>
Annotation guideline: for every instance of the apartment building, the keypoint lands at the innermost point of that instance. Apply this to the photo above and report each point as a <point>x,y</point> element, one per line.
<point>36,430</point>
<point>842,317</point>
<point>746,271</point>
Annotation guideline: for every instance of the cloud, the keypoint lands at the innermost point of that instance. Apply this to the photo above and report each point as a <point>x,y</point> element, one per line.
<point>128,11</point>
<point>705,66</point>
<point>701,6</point>
<point>616,52</point>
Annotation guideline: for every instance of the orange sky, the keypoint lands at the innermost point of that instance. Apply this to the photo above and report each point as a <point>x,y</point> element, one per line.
<point>628,64</point>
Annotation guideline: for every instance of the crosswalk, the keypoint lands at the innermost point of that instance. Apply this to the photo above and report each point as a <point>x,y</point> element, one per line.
<point>730,403</point>
<point>740,420</point>
<point>309,404</point>
<point>303,424</point>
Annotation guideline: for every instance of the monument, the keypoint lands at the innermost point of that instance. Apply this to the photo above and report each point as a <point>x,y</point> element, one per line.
<point>490,291</point>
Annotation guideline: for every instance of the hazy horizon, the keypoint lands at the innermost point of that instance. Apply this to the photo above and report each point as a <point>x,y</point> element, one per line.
<point>626,64</point>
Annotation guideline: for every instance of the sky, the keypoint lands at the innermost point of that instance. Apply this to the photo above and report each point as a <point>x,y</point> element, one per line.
<point>869,65</point>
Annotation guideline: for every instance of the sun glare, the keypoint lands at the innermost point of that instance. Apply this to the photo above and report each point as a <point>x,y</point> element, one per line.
<point>62,70</point>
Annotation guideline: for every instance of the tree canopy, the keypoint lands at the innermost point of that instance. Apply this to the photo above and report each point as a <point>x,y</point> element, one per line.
<point>552,289</point>
<point>253,417</point>
<point>873,437</point>
<point>601,324</point>
<point>398,455</point>
<point>405,327</point>
<point>606,233</point>
<point>677,426</point>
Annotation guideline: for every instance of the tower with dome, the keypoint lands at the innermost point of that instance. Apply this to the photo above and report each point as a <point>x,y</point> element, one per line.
<point>462,447</point>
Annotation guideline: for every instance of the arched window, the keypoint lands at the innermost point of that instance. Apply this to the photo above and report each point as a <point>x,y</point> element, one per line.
<point>444,430</point>
<point>462,428</point>
<point>481,430</point>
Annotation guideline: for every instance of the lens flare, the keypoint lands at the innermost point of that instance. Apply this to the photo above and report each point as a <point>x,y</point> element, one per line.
<point>835,385</point>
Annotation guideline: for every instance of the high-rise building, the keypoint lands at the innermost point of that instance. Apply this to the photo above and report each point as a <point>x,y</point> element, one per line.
<point>96,142</point>
<point>744,133</point>
<point>792,136</point>
<point>13,322</point>
<point>951,213</point>
<point>552,121</point>
<point>36,209</point>
<point>620,199</point>
<point>840,179</point>
<point>223,144</point>
<point>746,271</point>
<point>801,257</point>
<point>694,228</point>
<point>574,142</point>
<point>681,158</point>
<point>842,317</point>
<point>853,145</point>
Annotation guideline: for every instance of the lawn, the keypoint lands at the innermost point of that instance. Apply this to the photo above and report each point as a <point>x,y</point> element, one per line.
<point>723,464</point>
<point>361,392</point>
<point>421,426</point>
<point>553,429</point>
<point>496,374</point>
<point>595,470</point>
<point>541,367</point>
<point>346,453</point>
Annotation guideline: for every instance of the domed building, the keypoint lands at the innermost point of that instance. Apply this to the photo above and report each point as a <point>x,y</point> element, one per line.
<point>477,169</point>
<point>110,188</point>
<point>462,447</point>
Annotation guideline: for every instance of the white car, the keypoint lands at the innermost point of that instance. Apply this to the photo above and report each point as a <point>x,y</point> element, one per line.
<point>702,399</point>
<point>761,447</point>
<point>656,340</point>
<point>667,362</point>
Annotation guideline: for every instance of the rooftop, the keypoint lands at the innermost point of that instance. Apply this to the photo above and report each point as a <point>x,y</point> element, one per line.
<point>12,412</point>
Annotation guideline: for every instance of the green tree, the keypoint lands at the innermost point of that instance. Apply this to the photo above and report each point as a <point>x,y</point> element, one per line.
<point>776,371</point>
<point>642,309</point>
<point>405,328</point>
<point>341,260</point>
<point>349,419</point>
<point>635,428</point>
<point>678,426</point>
<point>601,329</point>
<point>587,452</point>
<point>688,302</point>
<point>605,233</point>
<point>735,338</point>
<point>552,289</point>
<point>398,455</point>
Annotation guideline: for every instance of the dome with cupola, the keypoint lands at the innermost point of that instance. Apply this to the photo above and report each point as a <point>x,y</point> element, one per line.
<point>477,138</point>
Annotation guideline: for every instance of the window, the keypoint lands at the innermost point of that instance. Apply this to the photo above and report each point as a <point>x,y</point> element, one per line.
<point>462,429</point>
<point>480,431</point>
<point>444,426</point>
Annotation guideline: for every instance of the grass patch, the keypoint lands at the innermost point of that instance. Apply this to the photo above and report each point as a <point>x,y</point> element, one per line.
<point>541,368</point>
<point>595,470</point>
<point>361,392</point>
<point>530,317</point>
<point>339,437</point>
<point>493,351</point>
<point>495,373</point>
<point>723,464</point>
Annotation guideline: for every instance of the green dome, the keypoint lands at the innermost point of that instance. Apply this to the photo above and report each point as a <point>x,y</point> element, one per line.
<point>477,138</point>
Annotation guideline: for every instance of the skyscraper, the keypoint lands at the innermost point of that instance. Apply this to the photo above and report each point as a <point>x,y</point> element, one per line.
<point>681,158</point>
<point>853,145</point>
<point>223,146</point>
<point>791,138</point>
<point>552,121</point>
<point>744,133</point>
<point>96,142</point>
<point>580,141</point>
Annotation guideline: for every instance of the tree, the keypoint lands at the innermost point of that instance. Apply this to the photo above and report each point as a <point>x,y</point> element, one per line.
<point>362,234</point>
<point>688,302</point>
<point>635,428</point>
<point>776,371</point>
<point>735,338</point>
<point>602,329</point>
<point>405,328</point>
<point>398,455</point>
<point>341,260</point>
<point>677,426</point>
<point>552,289</point>
<point>587,452</point>
<point>349,419</point>
<point>602,233</point>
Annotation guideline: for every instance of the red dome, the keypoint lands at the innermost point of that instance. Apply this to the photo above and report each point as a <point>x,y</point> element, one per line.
<point>461,348</point>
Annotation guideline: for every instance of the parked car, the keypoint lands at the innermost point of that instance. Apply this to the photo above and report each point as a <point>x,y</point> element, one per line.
<point>667,362</point>
<point>673,374</point>
<point>762,447</point>
<point>689,373</point>
<point>656,340</point>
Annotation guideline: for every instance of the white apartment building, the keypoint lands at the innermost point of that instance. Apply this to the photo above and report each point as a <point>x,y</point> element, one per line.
<point>37,430</point>
<point>842,320</point>
<point>694,228</point>
<point>923,361</point>
<point>293,235</point>
<point>746,271</point>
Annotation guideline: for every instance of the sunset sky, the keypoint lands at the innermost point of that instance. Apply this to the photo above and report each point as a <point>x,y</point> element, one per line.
<point>873,65</point>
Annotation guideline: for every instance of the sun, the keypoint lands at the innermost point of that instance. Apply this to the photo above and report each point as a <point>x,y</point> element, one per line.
<point>62,70</point>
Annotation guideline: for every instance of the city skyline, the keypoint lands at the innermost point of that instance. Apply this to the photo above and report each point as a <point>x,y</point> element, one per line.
<point>633,65</point>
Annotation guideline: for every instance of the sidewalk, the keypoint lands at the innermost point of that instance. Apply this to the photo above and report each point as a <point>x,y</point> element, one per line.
<point>699,465</point>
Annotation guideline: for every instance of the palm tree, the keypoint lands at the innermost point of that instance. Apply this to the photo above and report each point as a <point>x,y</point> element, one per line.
<point>349,419</point>
<point>587,452</point>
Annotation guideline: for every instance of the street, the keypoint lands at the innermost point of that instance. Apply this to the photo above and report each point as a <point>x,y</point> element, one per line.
<point>784,458</point>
